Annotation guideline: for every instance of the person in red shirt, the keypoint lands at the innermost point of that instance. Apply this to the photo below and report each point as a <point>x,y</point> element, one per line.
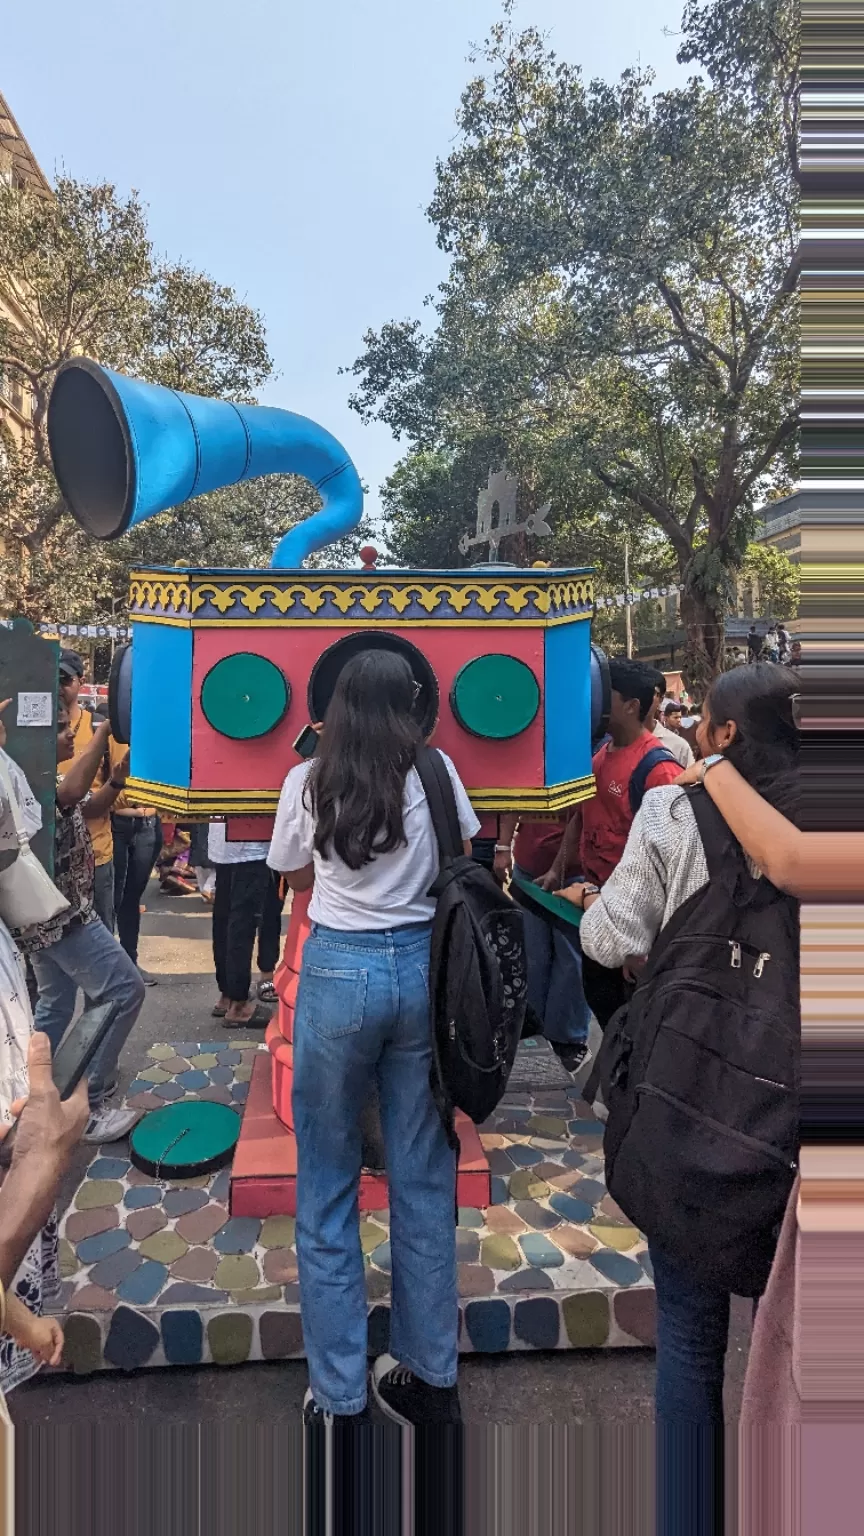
<point>600,827</point>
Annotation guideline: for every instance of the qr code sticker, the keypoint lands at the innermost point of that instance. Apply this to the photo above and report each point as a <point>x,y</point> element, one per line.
<point>34,709</point>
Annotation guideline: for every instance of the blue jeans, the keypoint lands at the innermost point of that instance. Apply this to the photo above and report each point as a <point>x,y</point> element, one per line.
<point>88,957</point>
<point>362,1018</point>
<point>692,1337</point>
<point>555,980</point>
<point>137,846</point>
<point>103,893</point>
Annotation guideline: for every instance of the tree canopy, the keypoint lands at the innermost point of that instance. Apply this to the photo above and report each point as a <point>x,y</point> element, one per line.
<point>618,323</point>
<point>78,275</point>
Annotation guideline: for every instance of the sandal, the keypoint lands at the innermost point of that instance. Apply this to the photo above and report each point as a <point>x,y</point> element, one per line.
<point>259,1018</point>
<point>267,992</point>
<point>218,1012</point>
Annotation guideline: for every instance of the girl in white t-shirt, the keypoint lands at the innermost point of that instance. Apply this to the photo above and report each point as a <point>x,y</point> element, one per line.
<point>356,823</point>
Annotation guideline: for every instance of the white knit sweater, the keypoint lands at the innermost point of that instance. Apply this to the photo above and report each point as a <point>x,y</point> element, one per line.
<point>662,867</point>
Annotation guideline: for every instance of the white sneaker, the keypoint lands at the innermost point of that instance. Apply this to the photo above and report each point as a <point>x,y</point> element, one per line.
<point>107,1124</point>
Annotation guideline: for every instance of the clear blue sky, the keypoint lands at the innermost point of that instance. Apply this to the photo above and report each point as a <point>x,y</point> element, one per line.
<point>289,149</point>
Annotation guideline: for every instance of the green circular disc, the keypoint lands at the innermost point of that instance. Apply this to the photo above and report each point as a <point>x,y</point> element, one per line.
<point>495,697</point>
<point>182,1141</point>
<point>244,696</point>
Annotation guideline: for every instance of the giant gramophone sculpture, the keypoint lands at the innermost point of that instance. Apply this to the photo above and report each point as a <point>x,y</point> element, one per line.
<point>227,667</point>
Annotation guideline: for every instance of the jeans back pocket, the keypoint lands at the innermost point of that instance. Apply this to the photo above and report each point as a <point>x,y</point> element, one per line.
<point>331,1001</point>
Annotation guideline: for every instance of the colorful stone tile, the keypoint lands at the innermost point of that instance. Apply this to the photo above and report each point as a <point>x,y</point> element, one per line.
<point>182,1337</point>
<point>243,1074</point>
<point>101,1246</point>
<point>475,1280</point>
<point>221,1186</point>
<point>141,1224</point>
<point>81,1224</point>
<point>199,1264</point>
<point>291,1293</point>
<point>192,1079</point>
<point>201,1181</point>
<point>145,1101</point>
<point>229,1058</point>
<point>136,1178</point>
<point>277,1232</point>
<point>98,1192</point>
<point>585,1127</point>
<point>645,1261</point>
<point>215,1095</point>
<point>371,1236</point>
<point>592,1190</point>
<point>536,1216</point>
<point>182,1202</point>
<point>221,1076</point>
<point>162,1052</point>
<point>524,1155</point>
<point>138,1199</point>
<point>487,1324</point>
<point>237,1273</point>
<point>538,1322</point>
<point>82,1344</point>
<point>230,1336</point>
<point>67,1258</point>
<point>93,1298</point>
<point>256,1295</point>
<point>131,1339</point>
<point>144,1284</point>
<point>113,1271</point>
<point>574,1242</point>
<point>183,1291</point>
<point>620,1238</point>
<point>571,1208</point>
<point>500,1161</point>
<point>586,1319</point>
<point>109,1168</point>
<point>636,1312</point>
<point>169,1092</point>
<point>500,1252</point>
<point>614,1266</point>
<point>467,1246</point>
<point>239,1235</point>
<point>526,1280</point>
<point>281,1335</point>
<point>524,1185</point>
<point>539,1251</point>
<point>204,1060</point>
<point>500,1218</point>
<point>167,1247</point>
<point>613,1212</point>
<point>499,1192</point>
<point>469,1217</point>
<point>279,1266</point>
<point>240,1093</point>
<point>490,1141</point>
<point>155,1075</point>
<point>201,1226</point>
<point>381,1258</point>
<point>547,1125</point>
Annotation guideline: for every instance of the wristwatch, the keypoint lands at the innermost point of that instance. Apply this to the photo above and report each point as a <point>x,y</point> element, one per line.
<point>589,890</point>
<point>709,762</point>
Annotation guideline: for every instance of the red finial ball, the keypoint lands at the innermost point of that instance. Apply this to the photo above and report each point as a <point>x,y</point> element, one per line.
<point>368,555</point>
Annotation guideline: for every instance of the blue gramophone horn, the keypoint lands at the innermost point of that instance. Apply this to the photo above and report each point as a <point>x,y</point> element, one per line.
<point>124,450</point>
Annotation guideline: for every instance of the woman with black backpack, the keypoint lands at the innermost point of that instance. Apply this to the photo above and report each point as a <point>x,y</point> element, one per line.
<point>700,1071</point>
<point>356,822</point>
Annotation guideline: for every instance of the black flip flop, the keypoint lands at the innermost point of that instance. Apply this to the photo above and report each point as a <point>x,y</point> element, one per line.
<point>259,1018</point>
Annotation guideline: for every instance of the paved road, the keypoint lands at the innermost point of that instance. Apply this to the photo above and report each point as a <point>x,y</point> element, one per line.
<point>577,1386</point>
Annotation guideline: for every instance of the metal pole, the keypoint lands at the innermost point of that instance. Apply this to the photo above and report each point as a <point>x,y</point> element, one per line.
<point>628,624</point>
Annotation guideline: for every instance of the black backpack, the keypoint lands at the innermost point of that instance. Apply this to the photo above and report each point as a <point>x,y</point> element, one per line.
<point>700,1074</point>
<point>477,972</point>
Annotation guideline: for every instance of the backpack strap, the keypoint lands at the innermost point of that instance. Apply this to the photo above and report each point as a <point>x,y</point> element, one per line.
<point>639,776</point>
<point>441,800</point>
<point>717,840</point>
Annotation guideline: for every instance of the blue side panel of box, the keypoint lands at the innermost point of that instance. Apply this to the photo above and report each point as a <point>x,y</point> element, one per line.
<point>162,704</point>
<point>568,702</point>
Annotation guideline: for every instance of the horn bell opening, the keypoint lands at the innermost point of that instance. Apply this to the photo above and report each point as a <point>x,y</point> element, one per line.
<point>93,457</point>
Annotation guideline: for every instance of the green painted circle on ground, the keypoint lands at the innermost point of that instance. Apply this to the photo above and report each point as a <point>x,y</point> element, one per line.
<point>244,696</point>
<point>185,1140</point>
<point>495,696</point>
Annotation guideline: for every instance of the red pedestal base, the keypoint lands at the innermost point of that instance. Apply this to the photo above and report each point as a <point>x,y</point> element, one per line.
<point>264,1176</point>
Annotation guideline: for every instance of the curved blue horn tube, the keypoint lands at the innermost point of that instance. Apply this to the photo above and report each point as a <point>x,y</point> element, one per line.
<point>124,451</point>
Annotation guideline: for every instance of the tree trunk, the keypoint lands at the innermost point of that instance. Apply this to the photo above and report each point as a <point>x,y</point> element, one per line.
<point>705,646</point>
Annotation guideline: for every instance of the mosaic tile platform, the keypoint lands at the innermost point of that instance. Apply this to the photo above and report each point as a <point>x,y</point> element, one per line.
<point>158,1273</point>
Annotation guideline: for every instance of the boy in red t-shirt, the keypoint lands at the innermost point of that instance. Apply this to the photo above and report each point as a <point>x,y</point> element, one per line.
<point>600,827</point>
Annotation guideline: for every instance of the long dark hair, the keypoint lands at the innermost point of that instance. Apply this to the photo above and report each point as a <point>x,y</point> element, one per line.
<point>368,746</point>
<point>760,700</point>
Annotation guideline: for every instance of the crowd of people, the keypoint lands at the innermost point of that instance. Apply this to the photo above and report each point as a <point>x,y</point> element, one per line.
<point>353,826</point>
